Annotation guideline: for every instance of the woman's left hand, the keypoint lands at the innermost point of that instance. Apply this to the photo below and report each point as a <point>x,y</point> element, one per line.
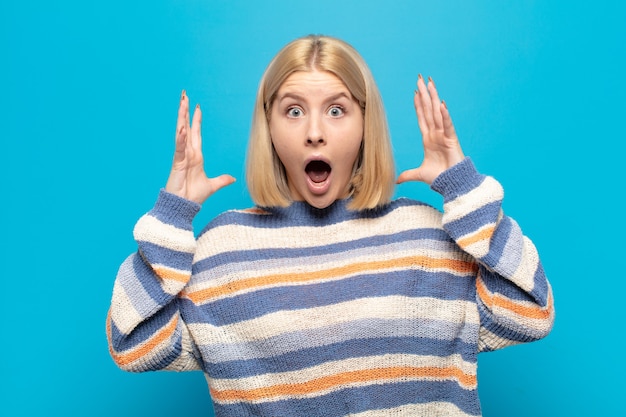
<point>441,144</point>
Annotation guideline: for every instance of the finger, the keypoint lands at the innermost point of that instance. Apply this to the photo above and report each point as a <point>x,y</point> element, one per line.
<point>419,110</point>
<point>426,102</point>
<point>181,130</point>
<point>435,103</point>
<point>196,124</point>
<point>448,126</point>
<point>410,175</point>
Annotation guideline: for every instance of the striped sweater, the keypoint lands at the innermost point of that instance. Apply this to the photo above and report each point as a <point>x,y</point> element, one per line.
<point>301,311</point>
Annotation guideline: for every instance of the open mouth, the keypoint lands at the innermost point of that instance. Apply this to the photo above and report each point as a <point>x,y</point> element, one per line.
<point>318,171</point>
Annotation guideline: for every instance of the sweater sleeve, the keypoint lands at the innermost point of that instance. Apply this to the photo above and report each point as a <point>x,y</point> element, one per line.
<point>513,295</point>
<point>145,330</point>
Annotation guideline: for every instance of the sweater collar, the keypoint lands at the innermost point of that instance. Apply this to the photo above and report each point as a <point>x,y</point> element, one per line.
<point>301,210</point>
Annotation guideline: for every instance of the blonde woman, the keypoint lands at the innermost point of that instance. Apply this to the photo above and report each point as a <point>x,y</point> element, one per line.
<point>328,298</point>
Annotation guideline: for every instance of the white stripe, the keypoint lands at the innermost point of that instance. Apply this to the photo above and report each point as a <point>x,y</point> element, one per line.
<point>392,307</point>
<point>340,333</point>
<point>233,237</point>
<point>123,313</point>
<point>488,192</point>
<point>524,275</point>
<point>480,247</point>
<point>491,341</point>
<point>150,229</point>
<point>170,286</point>
<point>433,409</point>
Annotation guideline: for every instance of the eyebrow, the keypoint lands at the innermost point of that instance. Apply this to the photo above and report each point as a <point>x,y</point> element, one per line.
<point>299,97</point>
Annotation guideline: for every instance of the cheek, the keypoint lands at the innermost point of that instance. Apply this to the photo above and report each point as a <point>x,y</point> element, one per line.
<point>284,152</point>
<point>352,146</point>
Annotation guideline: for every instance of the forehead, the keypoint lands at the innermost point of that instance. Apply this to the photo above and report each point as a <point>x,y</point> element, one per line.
<point>313,82</point>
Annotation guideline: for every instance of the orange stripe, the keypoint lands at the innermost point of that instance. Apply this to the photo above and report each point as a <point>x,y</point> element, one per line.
<point>166,273</point>
<point>533,312</point>
<point>245,284</point>
<point>255,210</point>
<point>342,379</point>
<point>482,235</point>
<point>128,357</point>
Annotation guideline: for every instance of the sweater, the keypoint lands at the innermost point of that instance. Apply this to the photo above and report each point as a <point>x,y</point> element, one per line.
<point>300,311</point>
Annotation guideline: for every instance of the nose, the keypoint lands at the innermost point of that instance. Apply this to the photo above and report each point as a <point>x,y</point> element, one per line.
<point>315,135</point>
<point>318,141</point>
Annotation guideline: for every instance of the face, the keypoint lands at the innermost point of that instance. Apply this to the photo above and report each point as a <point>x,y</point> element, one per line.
<point>317,129</point>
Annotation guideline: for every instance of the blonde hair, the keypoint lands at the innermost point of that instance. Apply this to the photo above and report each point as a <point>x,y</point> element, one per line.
<point>373,179</point>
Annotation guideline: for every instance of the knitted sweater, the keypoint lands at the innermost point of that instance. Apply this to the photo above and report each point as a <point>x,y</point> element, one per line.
<point>301,311</point>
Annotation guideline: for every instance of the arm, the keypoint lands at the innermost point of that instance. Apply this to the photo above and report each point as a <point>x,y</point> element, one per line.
<point>513,294</point>
<point>144,326</point>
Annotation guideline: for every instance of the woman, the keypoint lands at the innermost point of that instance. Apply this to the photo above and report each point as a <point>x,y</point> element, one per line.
<point>328,298</point>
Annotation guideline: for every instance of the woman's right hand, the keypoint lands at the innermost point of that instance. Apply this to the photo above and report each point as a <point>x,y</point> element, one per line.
<point>187,178</point>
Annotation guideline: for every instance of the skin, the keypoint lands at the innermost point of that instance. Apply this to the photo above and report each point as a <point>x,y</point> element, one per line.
<point>442,149</point>
<point>187,178</point>
<point>314,117</point>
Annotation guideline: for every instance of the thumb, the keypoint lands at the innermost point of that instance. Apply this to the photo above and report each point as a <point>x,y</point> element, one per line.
<point>414,174</point>
<point>209,187</point>
<point>222,181</point>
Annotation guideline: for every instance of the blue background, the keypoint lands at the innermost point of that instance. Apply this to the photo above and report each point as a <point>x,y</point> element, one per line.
<point>88,99</point>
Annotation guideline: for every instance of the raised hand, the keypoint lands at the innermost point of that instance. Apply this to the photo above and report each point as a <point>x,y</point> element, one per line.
<point>441,145</point>
<point>187,178</point>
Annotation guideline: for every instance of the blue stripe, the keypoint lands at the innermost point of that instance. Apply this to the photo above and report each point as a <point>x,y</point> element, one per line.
<point>358,399</point>
<point>173,352</point>
<point>354,348</point>
<point>144,330</point>
<point>176,211</point>
<point>497,284</point>
<point>458,180</point>
<point>365,329</point>
<point>414,239</point>
<point>507,328</point>
<point>498,241</point>
<point>512,252</point>
<point>540,291</point>
<point>137,295</point>
<point>149,282</point>
<point>410,283</point>
<point>165,256</point>
<point>301,214</point>
<point>473,221</point>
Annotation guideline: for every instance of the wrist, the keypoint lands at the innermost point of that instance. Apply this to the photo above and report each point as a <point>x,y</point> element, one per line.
<point>175,210</point>
<point>457,180</point>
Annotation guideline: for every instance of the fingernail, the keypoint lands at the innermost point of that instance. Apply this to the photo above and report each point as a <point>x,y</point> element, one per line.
<point>430,80</point>
<point>444,104</point>
<point>198,106</point>
<point>419,76</point>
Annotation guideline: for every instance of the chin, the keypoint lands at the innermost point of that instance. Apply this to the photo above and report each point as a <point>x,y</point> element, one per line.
<point>320,202</point>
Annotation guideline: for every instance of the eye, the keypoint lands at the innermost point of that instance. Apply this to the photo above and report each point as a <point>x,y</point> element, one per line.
<point>294,112</point>
<point>335,111</point>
